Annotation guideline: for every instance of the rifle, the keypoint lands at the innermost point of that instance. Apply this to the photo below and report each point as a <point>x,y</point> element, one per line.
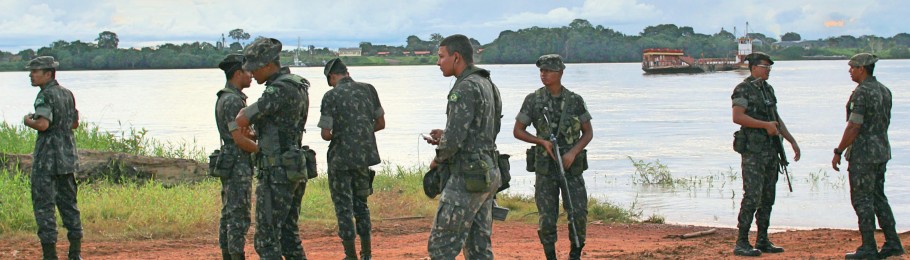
<point>777,141</point>
<point>563,183</point>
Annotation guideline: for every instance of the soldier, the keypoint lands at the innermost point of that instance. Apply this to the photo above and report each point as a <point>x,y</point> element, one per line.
<point>868,150</point>
<point>237,179</point>
<point>351,113</point>
<point>55,162</point>
<point>279,117</point>
<point>570,121</point>
<point>755,110</point>
<point>467,149</point>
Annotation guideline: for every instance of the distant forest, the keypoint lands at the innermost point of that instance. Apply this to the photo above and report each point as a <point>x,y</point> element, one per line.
<point>579,41</point>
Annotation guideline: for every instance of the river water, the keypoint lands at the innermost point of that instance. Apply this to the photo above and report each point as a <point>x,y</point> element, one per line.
<point>684,121</point>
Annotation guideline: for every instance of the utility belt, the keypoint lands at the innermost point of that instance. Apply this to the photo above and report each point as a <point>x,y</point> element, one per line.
<point>222,161</point>
<point>752,140</point>
<point>475,169</point>
<point>539,161</point>
<point>299,164</point>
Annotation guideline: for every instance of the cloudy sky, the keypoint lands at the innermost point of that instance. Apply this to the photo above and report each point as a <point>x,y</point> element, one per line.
<point>345,23</point>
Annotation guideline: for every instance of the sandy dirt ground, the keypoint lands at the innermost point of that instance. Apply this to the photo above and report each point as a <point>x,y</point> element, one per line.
<point>406,239</point>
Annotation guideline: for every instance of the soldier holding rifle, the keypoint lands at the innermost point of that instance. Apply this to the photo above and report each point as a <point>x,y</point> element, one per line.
<point>755,110</point>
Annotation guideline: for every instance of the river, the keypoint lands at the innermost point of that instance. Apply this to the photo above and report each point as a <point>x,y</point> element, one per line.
<point>684,121</point>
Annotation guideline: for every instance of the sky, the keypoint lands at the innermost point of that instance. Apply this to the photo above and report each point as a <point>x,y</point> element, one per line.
<point>346,23</point>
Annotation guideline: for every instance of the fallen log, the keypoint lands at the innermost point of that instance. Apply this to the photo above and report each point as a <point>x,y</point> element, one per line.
<point>119,167</point>
<point>694,234</point>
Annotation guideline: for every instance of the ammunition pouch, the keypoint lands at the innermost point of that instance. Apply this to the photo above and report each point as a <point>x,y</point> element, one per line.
<point>739,142</point>
<point>293,162</point>
<point>475,172</point>
<point>580,164</point>
<point>221,164</point>
<point>531,158</point>
<point>504,170</point>
<point>310,162</point>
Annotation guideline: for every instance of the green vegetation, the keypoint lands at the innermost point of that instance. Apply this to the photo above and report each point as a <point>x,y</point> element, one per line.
<point>652,173</point>
<point>118,210</point>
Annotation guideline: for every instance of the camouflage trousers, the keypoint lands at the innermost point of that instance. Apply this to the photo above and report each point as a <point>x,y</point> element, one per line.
<point>235,208</point>
<point>867,194</point>
<point>464,219</point>
<point>759,171</point>
<point>350,189</point>
<point>277,210</point>
<point>50,191</point>
<point>546,195</point>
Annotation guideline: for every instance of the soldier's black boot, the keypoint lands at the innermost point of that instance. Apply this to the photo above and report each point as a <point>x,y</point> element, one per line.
<point>743,248</point>
<point>49,251</point>
<point>575,253</point>
<point>225,254</point>
<point>238,256</point>
<point>549,250</point>
<point>350,253</point>
<point>763,244</point>
<point>366,251</point>
<point>75,252</point>
<point>892,246</point>
<point>868,249</point>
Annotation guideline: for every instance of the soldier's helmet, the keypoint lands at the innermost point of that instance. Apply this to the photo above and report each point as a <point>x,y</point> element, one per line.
<point>43,62</point>
<point>862,59</point>
<point>551,62</point>
<point>757,56</point>
<point>261,52</point>
<point>231,62</point>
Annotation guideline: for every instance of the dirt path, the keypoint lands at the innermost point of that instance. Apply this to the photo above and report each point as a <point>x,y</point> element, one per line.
<point>407,240</point>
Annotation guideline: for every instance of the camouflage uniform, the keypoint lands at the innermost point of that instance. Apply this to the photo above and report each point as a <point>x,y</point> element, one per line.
<point>235,188</point>
<point>463,218</point>
<point>278,118</point>
<point>350,111</point>
<point>546,186</point>
<point>760,162</point>
<point>870,107</point>
<point>52,181</point>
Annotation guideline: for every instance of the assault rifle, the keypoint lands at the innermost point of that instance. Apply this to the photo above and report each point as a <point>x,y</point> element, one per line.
<point>563,183</point>
<point>778,141</point>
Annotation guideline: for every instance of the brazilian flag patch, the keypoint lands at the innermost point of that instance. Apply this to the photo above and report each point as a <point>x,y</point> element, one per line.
<point>453,97</point>
<point>271,89</point>
<point>39,101</point>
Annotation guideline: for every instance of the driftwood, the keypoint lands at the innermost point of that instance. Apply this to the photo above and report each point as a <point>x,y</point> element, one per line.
<point>694,234</point>
<point>94,165</point>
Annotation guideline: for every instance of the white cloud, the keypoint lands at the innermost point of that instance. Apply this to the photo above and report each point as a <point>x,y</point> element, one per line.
<point>595,11</point>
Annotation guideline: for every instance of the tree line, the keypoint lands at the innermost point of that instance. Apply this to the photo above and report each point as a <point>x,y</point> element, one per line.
<point>579,41</point>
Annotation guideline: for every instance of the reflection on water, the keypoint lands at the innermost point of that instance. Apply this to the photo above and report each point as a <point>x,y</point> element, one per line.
<point>683,120</point>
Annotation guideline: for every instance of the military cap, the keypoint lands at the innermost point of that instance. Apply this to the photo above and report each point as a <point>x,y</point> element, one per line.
<point>231,62</point>
<point>336,64</point>
<point>755,57</point>
<point>431,183</point>
<point>551,62</point>
<point>862,59</point>
<point>43,62</point>
<point>261,52</point>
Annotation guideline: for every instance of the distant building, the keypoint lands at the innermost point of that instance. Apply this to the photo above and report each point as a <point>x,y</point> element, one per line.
<point>421,52</point>
<point>382,53</point>
<point>349,51</point>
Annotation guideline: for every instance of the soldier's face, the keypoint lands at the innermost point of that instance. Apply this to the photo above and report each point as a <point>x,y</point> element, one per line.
<point>446,61</point>
<point>245,78</point>
<point>262,73</point>
<point>856,73</point>
<point>762,70</point>
<point>550,77</point>
<point>39,77</point>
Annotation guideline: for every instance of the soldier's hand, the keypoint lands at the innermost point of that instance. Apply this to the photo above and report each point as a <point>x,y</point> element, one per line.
<point>796,152</point>
<point>436,135</point>
<point>835,162</point>
<point>567,160</point>
<point>771,128</point>
<point>548,146</point>
<point>26,118</point>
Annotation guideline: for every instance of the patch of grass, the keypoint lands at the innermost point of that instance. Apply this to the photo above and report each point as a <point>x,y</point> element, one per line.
<point>651,173</point>
<point>654,219</point>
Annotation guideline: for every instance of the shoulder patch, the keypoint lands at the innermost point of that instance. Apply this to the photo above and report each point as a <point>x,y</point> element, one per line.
<point>453,97</point>
<point>39,101</point>
<point>851,105</point>
<point>271,89</point>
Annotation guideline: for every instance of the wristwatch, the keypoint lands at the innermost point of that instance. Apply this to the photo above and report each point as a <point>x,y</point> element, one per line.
<point>838,151</point>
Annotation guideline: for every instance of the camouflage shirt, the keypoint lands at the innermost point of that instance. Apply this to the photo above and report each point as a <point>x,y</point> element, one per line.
<point>230,101</point>
<point>55,149</point>
<point>870,107</point>
<point>281,112</point>
<point>473,115</point>
<point>350,110</point>
<point>532,113</point>
<point>759,101</point>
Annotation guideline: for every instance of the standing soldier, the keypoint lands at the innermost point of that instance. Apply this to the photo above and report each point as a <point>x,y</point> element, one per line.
<point>567,117</point>
<point>868,151</point>
<point>351,113</point>
<point>279,117</point>
<point>233,165</point>
<point>755,110</point>
<point>467,148</point>
<point>53,182</point>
